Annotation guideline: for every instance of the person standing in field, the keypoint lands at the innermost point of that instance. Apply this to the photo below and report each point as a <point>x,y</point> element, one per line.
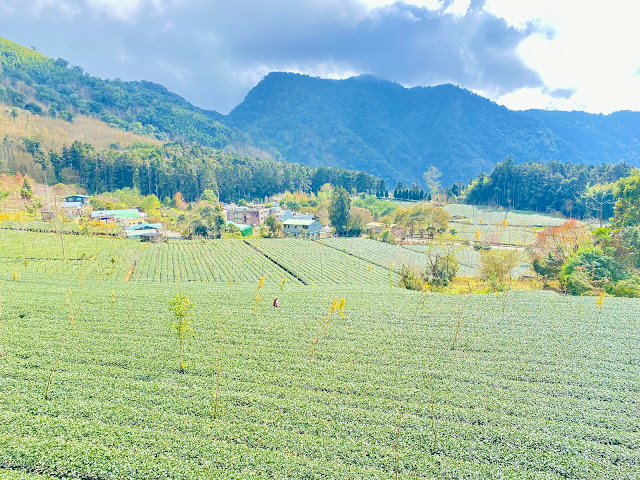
<point>276,303</point>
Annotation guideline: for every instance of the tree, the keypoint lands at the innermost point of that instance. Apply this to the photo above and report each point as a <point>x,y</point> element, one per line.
<point>339,210</point>
<point>358,218</point>
<point>442,266</point>
<point>211,221</point>
<point>275,227</point>
<point>178,201</point>
<point>432,179</point>
<point>209,196</point>
<point>151,204</point>
<point>626,193</point>
<point>496,266</point>
<point>422,219</point>
<point>598,199</point>
<point>26,192</point>
<point>590,267</point>
<point>554,245</point>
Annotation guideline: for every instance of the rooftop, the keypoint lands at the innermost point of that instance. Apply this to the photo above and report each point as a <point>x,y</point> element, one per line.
<point>299,221</point>
<point>145,226</point>
<point>130,213</point>
<point>241,226</point>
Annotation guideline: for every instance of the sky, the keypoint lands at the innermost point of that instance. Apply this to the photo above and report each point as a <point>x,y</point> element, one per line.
<point>553,54</point>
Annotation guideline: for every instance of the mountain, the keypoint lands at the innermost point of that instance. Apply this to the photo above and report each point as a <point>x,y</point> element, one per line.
<point>56,126</point>
<point>396,133</point>
<point>361,123</point>
<point>30,78</point>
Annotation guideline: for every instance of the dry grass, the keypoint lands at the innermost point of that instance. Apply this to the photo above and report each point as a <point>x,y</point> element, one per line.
<point>476,285</point>
<point>55,132</point>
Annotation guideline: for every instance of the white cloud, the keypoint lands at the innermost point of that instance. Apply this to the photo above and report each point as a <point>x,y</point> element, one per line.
<point>596,50</point>
<point>127,10</point>
<point>430,4</point>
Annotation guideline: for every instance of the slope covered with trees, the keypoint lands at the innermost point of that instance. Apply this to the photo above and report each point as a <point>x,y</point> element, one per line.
<point>362,123</point>
<point>574,190</point>
<point>397,133</point>
<point>32,81</point>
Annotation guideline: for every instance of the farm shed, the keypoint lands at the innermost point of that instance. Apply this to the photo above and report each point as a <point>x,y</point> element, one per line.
<point>245,230</point>
<point>300,227</point>
<point>143,230</point>
<point>127,217</point>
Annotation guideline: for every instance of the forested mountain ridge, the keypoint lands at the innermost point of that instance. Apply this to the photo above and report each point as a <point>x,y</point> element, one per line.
<point>45,103</point>
<point>361,123</point>
<point>142,107</point>
<point>397,133</point>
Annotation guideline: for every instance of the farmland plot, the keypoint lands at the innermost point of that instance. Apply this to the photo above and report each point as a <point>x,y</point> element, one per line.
<point>206,261</point>
<point>394,256</point>
<point>547,389</point>
<point>495,234</point>
<point>478,214</point>
<point>313,262</point>
<point>470,260</point>
<point>28,253</point>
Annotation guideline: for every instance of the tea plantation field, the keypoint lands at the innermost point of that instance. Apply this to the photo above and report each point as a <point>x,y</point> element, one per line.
<point>539,386</point>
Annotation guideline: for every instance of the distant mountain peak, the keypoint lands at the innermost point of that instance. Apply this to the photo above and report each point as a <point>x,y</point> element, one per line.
<point>372,124</point>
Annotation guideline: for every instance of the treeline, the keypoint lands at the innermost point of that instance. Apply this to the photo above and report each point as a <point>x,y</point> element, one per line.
<point>414,193</point>
<point>548,187</point>
<point>141,107</point>
<point>189,169</point>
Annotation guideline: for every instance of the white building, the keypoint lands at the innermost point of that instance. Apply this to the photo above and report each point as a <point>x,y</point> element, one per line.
<point>302,227</point>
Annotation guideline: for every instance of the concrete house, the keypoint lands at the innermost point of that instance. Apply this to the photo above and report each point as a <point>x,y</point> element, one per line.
<point>247,215</point>
<point>302,227</point>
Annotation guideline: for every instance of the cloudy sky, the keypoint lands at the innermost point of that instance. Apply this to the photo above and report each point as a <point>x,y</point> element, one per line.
<point>565,54</point>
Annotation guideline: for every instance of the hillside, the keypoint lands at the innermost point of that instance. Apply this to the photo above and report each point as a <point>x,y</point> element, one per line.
<point>362,123</point>
<point>52,134</point>
<point>396,133</point>
<point>27,76</point>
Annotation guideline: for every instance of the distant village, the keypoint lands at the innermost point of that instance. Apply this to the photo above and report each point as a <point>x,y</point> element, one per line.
<point>134,221</point>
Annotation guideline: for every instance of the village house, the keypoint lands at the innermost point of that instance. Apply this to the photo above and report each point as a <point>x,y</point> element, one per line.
<point>74,204</point>
<point>250,215</point>
<point>302,227</point>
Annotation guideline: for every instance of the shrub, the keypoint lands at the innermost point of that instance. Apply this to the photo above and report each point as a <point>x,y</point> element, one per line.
<point>600,268</point>
<point>496,266</point>
<point>410,279</point>
<point>387,237</point>
<point>578,283</point>
<point>626,288</point>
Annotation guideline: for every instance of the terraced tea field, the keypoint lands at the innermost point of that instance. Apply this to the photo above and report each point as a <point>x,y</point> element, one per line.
<point>394,256</point>
<point>315,263</point>
<point>540,387</point>
<point>206,261</point>
<point>29,253</point>
<point>498,226</point>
